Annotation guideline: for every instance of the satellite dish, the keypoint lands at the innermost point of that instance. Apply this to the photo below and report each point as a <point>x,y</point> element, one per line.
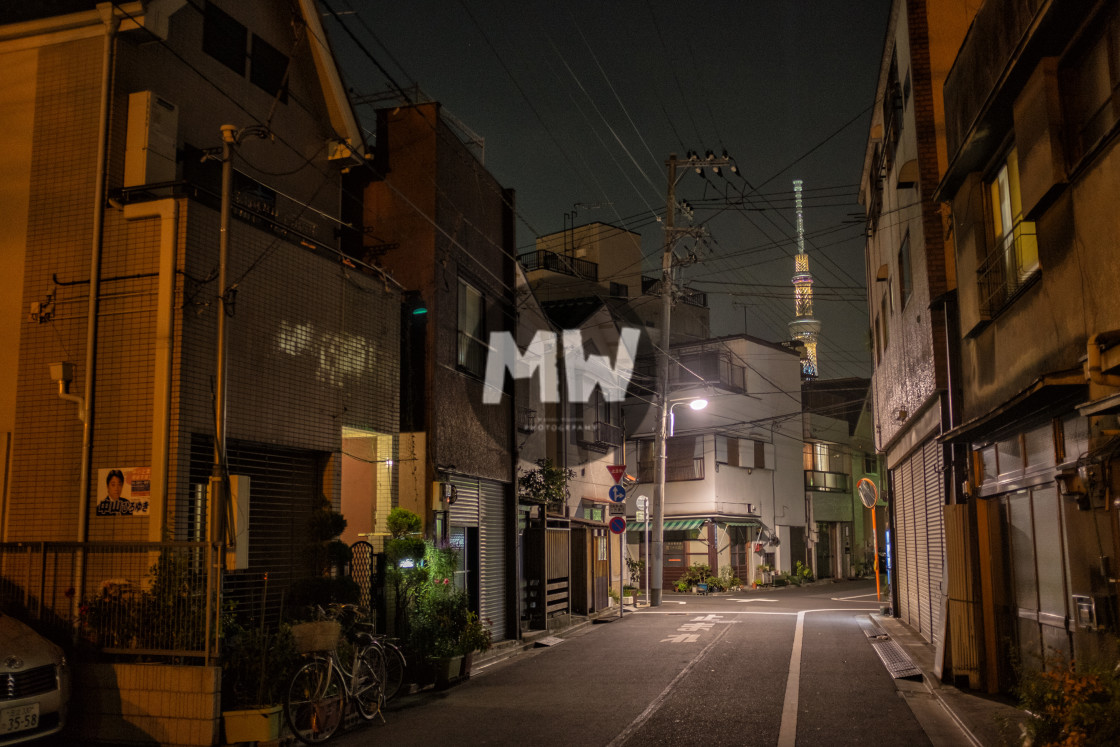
<point>868,493</point>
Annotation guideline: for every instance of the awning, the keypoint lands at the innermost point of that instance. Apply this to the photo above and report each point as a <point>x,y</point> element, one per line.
<point>670,524</point>
<point>750,523</point>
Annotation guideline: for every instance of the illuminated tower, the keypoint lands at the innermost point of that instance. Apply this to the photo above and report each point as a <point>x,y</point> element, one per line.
<point>804,328</point>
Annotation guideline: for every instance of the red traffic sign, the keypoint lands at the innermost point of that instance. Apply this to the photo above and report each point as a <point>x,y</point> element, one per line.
<point>617,471</point>
<point>618,524</point>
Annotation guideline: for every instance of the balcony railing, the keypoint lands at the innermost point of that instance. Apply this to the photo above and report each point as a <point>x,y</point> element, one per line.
<point>675,471</point>
<point>831,482</point>
<point>601,436</point>
<point>561,263</point>
<point>1002,274</point>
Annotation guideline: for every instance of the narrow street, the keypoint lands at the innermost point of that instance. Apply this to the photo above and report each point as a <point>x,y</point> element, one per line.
<point>791,667</point>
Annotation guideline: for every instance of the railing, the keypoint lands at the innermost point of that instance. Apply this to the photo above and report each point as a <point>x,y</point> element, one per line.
<point>1001,275</point>
<point>561,263</point>
<point>602,436</point>
<point>157,599</point>
<point>833,482</point>
<point>675,471</point>
<point>527,420</point>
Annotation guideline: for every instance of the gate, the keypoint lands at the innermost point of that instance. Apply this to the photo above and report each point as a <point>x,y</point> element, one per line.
<point>361,570</point>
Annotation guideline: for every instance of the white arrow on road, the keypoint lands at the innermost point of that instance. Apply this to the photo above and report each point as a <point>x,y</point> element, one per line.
<point>754,600</point>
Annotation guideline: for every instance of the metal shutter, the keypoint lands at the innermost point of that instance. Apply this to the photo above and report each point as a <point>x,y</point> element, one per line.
<point>481,504</point>
<point>284,489</point>
<point>920,538</point>
<point>492,557</point>
<point>935,534</point>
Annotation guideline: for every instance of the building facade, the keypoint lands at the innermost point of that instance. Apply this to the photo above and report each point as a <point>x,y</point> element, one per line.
<point>1032,130</point>
<point>117,122</point>
<point>910,268</point>
<point>443,227</point>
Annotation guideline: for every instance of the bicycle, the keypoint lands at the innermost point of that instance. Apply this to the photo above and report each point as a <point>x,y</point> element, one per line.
<point>357,628</point>
<point>321,689</point>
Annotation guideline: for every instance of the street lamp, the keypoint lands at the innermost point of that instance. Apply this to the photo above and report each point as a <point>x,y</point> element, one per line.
<point>657,526</point>
<point>696,403</point>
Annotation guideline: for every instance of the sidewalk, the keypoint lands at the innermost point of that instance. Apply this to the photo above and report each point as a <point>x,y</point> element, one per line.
<point>990,721</point>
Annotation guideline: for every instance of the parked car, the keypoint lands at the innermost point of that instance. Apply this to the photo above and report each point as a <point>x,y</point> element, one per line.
<point>34,684</point>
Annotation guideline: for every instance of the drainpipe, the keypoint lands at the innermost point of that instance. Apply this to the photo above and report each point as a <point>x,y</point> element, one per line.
<point>167,211</point>
<point>112,23</point>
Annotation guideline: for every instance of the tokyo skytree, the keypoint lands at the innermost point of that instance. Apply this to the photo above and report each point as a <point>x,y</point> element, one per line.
<point>804,328</point>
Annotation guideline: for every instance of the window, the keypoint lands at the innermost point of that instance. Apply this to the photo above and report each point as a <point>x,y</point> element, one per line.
<point>1013,259</point>
<point>741,452</point>
<point>1091,89</point>
<point>223,38</point>
<point>472,326</point>
<point>905,282</point>
<point>619,290</point>
<point>269,68</point>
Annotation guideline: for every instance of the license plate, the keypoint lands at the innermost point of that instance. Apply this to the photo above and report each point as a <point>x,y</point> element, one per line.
<point>19,718</point>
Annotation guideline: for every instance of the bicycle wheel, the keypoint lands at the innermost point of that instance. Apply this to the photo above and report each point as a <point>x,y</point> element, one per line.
<point>315,701</point>
<point>394,670</point>
<point>368,683</point>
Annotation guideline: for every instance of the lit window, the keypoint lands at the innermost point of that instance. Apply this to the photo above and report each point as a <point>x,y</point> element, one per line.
<point>1013,259</point>
<point>472,326</point>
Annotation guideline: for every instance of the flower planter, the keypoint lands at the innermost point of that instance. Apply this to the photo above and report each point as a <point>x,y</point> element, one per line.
<point>448,670</point>
<point>252,725</point>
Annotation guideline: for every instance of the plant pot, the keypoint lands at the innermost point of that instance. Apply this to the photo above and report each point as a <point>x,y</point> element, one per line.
<point>252,724</point>
<point>448,670</point>
<point>628,600</point>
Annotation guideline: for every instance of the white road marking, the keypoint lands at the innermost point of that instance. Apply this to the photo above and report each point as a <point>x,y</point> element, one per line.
<point>651,709</point>
<point>857,596</point>
<point>746,601</point>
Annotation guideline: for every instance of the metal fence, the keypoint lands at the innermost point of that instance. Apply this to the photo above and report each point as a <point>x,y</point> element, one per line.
<point>158,599</point>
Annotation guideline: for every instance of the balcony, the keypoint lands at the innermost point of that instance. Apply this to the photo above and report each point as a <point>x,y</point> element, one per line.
<point>560,263</point>
<point>828,482</point>
<point>600,436</point>
<point>675,471</point>
<point>1007,269</point>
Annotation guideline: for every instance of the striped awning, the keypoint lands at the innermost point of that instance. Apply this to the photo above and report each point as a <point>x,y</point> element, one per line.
<point>670,524</point>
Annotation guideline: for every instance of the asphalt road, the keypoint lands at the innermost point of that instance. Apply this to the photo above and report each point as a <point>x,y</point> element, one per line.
<point>791,667</point>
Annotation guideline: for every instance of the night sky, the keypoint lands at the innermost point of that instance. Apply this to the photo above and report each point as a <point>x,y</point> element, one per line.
<point>580,104</point>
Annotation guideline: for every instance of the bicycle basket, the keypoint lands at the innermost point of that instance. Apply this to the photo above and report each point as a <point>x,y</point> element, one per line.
<point>316,636</point>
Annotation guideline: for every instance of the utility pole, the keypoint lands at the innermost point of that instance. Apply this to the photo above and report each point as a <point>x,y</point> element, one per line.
<point>657,540</point>
<point>219,480</point>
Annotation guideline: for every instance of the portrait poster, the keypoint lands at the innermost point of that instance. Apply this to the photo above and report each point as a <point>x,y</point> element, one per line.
<point>123,491</point>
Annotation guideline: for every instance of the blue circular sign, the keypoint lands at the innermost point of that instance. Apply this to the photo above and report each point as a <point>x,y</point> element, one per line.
<point>618,524</point>
<point>617,493</point>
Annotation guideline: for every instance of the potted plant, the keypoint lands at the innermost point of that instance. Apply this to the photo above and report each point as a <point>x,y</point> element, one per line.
<point>441,627</point>
<point>256,665</point>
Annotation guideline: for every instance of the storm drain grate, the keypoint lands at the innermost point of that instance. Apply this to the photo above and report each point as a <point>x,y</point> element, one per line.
<point>894,658</point>
<point>897,661</point>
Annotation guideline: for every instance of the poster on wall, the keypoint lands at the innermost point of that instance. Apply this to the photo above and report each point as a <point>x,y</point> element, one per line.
<point>124,491</point>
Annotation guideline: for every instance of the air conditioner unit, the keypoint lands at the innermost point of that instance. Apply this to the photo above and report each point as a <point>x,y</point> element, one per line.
<point>151,141</point>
